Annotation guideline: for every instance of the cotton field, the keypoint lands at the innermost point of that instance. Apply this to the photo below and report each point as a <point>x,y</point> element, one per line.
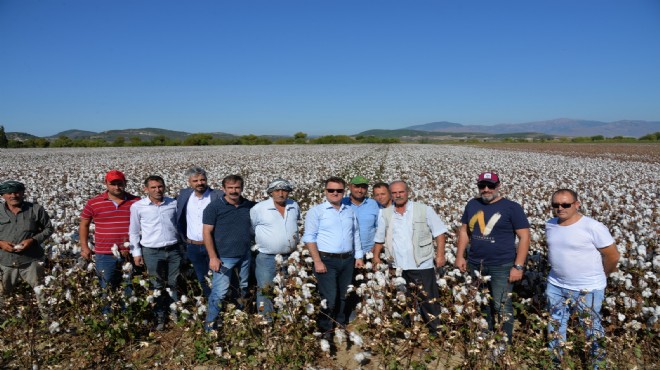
<point>622,193</point>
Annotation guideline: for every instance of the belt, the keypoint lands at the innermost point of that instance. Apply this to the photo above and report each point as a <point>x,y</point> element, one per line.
<point>342,256</point>
<point>194,242</point>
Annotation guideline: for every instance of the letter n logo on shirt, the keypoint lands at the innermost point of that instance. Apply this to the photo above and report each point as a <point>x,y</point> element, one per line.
<point>483,227</point>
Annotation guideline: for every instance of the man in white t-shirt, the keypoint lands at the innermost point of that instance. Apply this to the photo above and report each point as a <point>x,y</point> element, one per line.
<point>582,253</point>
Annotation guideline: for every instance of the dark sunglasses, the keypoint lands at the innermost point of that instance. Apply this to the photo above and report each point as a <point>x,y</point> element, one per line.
<point>562,205</point>
<point>490,185</point>
<point>335,190</point>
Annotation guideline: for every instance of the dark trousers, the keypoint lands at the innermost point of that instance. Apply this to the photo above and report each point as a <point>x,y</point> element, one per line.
<point>332,286</point>
<point>427,293</point>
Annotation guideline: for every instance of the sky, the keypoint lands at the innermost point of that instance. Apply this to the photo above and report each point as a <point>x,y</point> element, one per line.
<point>277,67</point>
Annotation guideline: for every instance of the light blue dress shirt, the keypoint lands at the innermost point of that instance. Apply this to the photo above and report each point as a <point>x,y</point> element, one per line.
<point>333,231</point>
<point>274,233</point>
<point>367,216</point>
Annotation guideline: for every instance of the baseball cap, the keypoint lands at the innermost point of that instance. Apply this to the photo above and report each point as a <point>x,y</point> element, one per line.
<point>358,180</point>
<point>489,177</point>
<point>114,175</point>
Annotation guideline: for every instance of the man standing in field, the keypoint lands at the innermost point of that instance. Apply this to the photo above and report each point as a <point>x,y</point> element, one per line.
<point>228,237</point>
<point>275,223</point>
<point>582,253</point>
<point>381,193</point>
<point>155,243</point>
<point>111,214</point>
<point>408,229</point>
<point>490,224</point>
<point>332,237</point>
<point>365,209</point>
<point>190,205</point>
<point>23,227</point>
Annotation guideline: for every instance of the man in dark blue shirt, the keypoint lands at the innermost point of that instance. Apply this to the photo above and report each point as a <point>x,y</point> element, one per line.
<point>228,236</point>
<point>490,224</point>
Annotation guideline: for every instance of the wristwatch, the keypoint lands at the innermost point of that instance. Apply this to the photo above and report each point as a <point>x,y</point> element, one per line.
<point>519,267</point>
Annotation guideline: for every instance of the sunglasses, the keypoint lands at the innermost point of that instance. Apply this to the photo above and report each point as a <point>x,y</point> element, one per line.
<point>562,205</point>
<point>334,191</point>
<point>489,185</point>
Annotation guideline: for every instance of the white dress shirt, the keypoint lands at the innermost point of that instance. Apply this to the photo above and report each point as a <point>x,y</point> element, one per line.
<point>152,225</point>
<point>194,213</point>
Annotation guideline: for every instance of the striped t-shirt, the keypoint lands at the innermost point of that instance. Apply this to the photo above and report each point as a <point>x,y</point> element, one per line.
<point>111,221</point>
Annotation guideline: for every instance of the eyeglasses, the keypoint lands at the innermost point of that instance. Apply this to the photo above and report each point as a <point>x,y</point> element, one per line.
<point>335,191</point>
<point>490,185</point>
<point>562,205</point>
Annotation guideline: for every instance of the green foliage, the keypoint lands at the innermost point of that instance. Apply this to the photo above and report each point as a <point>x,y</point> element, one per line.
<point>651,137</point>
<point>3,137</point>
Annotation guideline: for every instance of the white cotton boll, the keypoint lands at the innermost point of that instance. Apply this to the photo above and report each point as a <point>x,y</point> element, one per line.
<point>277,279</point>
<point>218,351</point>
<point>458,308</point>
<point>173,306</point>
<point>128,267</point>
<point>621,316</point>
<point>359,277</point>
<point>646,293</point>
<point>115,251</point>
<point>127,244</point>
<point>67,295</point>
<point>309,308</point>
<point>143,283</point>
<point>325,345</point>
<point>378,321</point>
<point>48,279</point>
<point>309,260</point>
<point>298,281</point>
<point>279,259</point>
<point>132,299</point>
<point>38,289</point>
<point>157,293</point>
<point>361,356</point>
<point>610,301</point>
<point>324,304</point>
<point>54,327</point>
<point>356,339</point>
<point>291,270</point>
<point>184,298</point>
<point>399,281</point>
<point>442,283</point>
<point>201,310</point>
<point>303,274</point>
<point>150,299</point>
<point>350,288</point>
<point>399,272</point>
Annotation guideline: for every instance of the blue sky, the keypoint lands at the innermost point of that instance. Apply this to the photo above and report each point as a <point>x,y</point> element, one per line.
<point>323,67</point>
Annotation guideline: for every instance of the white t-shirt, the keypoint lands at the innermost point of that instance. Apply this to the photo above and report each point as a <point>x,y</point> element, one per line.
<point>575,261</point>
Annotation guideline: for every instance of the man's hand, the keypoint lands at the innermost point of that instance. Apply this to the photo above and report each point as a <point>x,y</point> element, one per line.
<point>375,262</point>
<point>515,275</point>
<point>359,263</point>
<point>25,244</point>
<point>460,263</point>
<point>138,260</point>
<point>7,246</point>
<point>85,251</point>
<point>440,260</point>
<point>214,264</point>
<point>319,267</point>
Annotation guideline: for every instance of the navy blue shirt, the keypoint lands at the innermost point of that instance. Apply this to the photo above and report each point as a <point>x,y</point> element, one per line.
<point>492,229</point>
<point>232,231</point>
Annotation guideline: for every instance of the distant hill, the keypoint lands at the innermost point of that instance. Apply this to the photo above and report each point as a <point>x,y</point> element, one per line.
<point>558,127</point>
<point>441,135</point>
<point>20,136</point>
<point>73,134</point>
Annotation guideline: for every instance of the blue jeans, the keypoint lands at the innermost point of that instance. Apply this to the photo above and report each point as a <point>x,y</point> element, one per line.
<point>109,272</point>
<point>500,289</point>
<point>163,267</point>
<point>265,271</point>
<point>562,303</point>
<point>199,257</point>
<point>332,286</point>
<point>221,282</point>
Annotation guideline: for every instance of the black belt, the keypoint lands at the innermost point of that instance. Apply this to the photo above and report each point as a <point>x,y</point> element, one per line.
<point>336,255</point>
<point>169,247</point>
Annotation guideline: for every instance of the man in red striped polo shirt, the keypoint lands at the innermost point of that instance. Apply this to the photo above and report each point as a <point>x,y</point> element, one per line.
<point>110,212</point>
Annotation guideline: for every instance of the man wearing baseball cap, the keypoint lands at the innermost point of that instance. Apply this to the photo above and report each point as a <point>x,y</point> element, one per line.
<point>111,212</point>
<point>490,224</point>
<point>366,210</point>
<point>24,226</point>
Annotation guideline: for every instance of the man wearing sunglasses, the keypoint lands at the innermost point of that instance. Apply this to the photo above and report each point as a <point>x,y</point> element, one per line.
<point>582,253</point>
<point>332,237</point>
<point>490,224</point>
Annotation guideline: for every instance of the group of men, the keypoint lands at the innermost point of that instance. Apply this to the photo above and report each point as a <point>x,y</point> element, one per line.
<point>218,228</point>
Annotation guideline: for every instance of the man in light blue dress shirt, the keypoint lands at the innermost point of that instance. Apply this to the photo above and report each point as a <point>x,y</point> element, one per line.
<point>155,242</point>
<point>275,224</point>
<point>332,237</point>
<point>366,210</point>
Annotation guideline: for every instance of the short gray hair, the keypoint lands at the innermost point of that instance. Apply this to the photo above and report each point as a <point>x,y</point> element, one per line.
<point>194,171</point>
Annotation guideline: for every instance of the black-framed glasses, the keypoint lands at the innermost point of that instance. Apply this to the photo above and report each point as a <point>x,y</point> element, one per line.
<point>562,205</point>
<point>487,184</point>
<point>335,191</point>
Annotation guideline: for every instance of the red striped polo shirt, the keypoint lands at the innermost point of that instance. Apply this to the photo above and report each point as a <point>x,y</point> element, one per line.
<point>111,221</point>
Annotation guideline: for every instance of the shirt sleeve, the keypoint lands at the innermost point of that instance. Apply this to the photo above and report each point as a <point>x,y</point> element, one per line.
<point>602,236</point>
<point>379,237</point>
<point>46,226</point>
<point>88,211</point>
<point>134,231</point>
<point>208,217</point>
<point>519,219</point>
<point>357,243</point>
<point>311,226</point>
<point>434,222</point>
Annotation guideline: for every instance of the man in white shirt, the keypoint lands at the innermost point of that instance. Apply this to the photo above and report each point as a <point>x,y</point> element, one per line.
<point>275,224</point>
<point>582,253</point>
<point>155,242</point>
<point>410,229</point>
<point>190,205</point>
